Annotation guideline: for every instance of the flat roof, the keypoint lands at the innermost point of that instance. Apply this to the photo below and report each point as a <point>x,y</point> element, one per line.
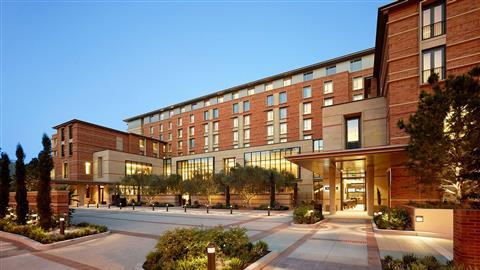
<point>259,81</point>
<point>103,127</point>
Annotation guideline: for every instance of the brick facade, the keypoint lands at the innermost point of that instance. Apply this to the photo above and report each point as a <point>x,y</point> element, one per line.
<point>466,237</point>
<point>59,201</point>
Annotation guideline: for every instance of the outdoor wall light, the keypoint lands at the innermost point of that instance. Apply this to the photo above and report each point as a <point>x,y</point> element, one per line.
<point>419,218</point>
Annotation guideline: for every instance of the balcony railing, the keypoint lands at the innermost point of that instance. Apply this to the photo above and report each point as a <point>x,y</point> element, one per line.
<point>440,71</point>
<point>433,30</point>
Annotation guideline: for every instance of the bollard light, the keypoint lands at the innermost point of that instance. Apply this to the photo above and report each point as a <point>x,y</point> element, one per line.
<point>207,208</point>
<point>167,207</point>
<point>109,206</point>
<point>231,209</point>
<point>269,210</point>
<point>211,256</point>
<point>153,207</point>
<point>88,205</point>
<point>120,205</point>
<point>62,226</point>
<point>97,205</point>
<point>133,206</point>
<point>78,204</point>
<point>185,208</point>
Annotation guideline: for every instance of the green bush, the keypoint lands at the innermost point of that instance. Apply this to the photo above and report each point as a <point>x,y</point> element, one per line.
<point>199,263</point>
<point>306,214</point>
<point>276,207</point>
<point>393,219</point>
<point>235,264</point>
<point>412,262</point>
<point>187,246</point>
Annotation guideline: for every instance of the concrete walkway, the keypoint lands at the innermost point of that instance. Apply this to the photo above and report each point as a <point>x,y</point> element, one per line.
<point>338,243</point>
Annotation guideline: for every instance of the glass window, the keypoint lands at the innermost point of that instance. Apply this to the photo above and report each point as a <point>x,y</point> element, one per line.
<point>307,92</point>
<point>235,136</point>
<point>283,128</point>
<point>206,103</point>
<point>273,159</point>
<point>191,143</point>
<point>215,126</point>
<point>357,97</point>
<point>307,76</point>
<point>228,163</point>
<point>269,141</point>
<point>270,100</point>
<point>269,115</point>
<point>205,128</point>
<point>251,91</point>
<point>167,167</point>
<point>307,108</point>
<point>328,102</point>
<point>246,134</point>
<point>205,141</point>
<point>219,99</point>
<point>270,130</point>
<point>235,122</point>
<point>353,133</point>
<point>206,115</point>
<point>287,81</point>
<point>331,70</point>
<point>433,61</point>
<point>188,168</point>
<point>161,127</point>
<point>283,97</point>
<point>282,113</point>
<point>215,113</point>
<point>192,118</point>
<point>356,65</point>
<point>235,107</point>
<point>170,125</point>
<point>215,139</point>
<point>88,167</point>
<point>246,120</point>
<point>180,133</point>
<point>192,131</point>
<point>246,106</point>
<point>100,167</point>
<point>235,95</point>
<point>318,145</point>
<point>179,145</point>
<point>134,167</point>
<point>307,124</point>
<point>169,136</point>
<point>358,83</point>
<point>268,86</point>
<point>283,140</point>
<point>307,137</point>
<point>151,130</point>
<point>162,116</point>
<point>328,87</point>
<point>433,20</point>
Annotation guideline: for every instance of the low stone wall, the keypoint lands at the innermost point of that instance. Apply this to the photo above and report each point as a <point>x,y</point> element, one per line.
<point>438,222</point>
<point>59,201</point>
<point>466,238</point>
<point>282,198</point>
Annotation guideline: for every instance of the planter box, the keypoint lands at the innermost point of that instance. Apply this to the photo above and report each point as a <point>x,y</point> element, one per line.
<point>431,222</point>
<point>466,239</point>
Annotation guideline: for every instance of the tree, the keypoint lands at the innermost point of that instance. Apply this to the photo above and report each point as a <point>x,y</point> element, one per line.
<point>208,187</point>
<point>444,134</point>
<point>223,181</point>
<point>248,182</point>
<point>137,183</point>
<point>21,191</point>
<point>45,166</point>
<point>5,182</point>
<point>31,180</point>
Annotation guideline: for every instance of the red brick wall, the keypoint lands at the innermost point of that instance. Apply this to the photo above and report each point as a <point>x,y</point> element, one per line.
<point>59,201</point>
<point>342,93</point>
<point>88,139</point>
<point>405,188</point>
<point>466,237</point>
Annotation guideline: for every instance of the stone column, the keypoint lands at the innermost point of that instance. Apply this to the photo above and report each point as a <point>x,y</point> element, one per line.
<point>370,181</point>
<point>331,179</point>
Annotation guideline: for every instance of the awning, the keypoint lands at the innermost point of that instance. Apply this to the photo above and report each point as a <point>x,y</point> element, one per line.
<point>382,157</point>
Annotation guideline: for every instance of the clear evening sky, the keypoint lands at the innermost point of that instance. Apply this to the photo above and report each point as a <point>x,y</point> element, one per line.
<point>104,61</point>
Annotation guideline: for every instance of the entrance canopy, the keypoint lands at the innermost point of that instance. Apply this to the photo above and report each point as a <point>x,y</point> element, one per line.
<point>383,157</point>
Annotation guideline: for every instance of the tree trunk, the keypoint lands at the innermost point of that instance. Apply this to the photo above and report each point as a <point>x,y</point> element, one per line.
<point>227,196</point>
<point>295,194</point>
<point>272,191</point>
<point>138,194</point>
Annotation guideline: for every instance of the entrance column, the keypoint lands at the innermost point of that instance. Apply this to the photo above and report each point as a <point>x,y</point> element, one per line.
<point>331,179</point>
<point>370,185</point>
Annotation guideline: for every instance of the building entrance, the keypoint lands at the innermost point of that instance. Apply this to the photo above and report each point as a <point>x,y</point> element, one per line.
<point>352,188</point>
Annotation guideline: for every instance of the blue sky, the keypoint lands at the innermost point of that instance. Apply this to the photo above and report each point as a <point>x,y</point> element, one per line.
<point>104,61</point>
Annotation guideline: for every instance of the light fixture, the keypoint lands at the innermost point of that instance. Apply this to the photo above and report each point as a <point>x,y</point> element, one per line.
<point>419,218</point>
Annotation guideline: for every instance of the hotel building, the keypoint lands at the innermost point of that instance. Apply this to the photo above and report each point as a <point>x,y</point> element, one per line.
<point>332,124</point>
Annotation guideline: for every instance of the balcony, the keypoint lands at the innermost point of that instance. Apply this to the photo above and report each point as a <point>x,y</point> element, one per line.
<point>440,71</point>
<point>433,30</point>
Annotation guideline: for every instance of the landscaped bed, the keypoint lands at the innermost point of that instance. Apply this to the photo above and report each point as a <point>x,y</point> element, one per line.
<point>410,261</point>
<point>392,219</point>
<point>306,214</point>
<point>36,233</point>
<point>186,249</point>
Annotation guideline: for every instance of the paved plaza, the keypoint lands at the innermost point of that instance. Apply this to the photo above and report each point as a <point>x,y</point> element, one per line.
<point>337,243</point>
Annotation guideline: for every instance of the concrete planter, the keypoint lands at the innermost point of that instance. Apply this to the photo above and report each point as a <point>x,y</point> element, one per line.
<point>466,239</point>
<point>431,222</point>
<point>41,247</point>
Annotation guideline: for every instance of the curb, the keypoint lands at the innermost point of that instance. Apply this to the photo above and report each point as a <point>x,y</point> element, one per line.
<point>264,261</point>
<point>42,247</point>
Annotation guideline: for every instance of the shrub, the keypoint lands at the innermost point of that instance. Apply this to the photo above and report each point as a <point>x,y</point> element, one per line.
<point>306,214</point>
<point>184,248</point>
<point>412,262</point>
<point>276,207</point>
<point>198,263</point>
<point>235,264</point>
<point>393,219</point>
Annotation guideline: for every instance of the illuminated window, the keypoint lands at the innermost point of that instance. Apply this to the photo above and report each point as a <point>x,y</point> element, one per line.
<point>246,134</point>
<point>246,120</point>
<point>353,132</point>
<point>228,163</point>
<point>141,146</point>
<point>270,130</point>
<point>307,92</point>
<point>270,116</point>
<point>328,87</point>
<point>357,83</point>
<point>307,124</point>
<point>133,168</point>
<point>307,108</point>
<point>188,168</point>
<point>65,170</point>
<point>273,159</point>
<point>167,167</point>
<point>155,149</point>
